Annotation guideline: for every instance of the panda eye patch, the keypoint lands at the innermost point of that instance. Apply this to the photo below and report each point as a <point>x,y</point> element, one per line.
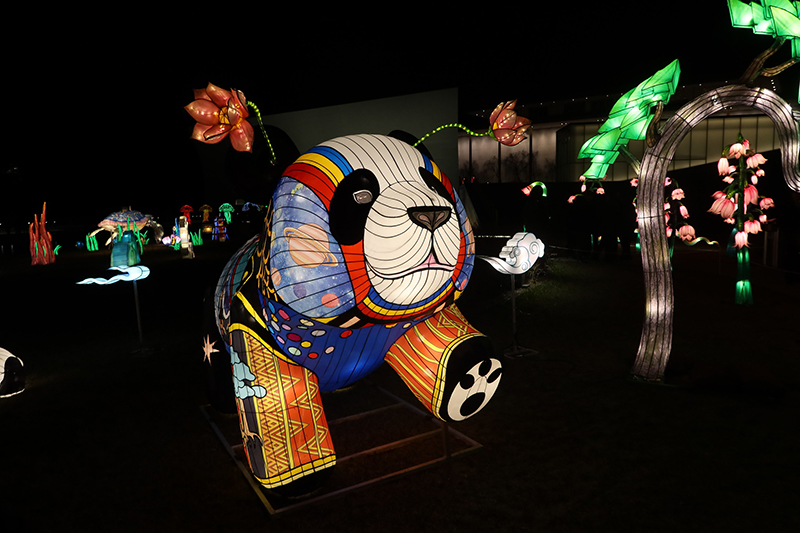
<point>351,204</point>
<point>362,197</point>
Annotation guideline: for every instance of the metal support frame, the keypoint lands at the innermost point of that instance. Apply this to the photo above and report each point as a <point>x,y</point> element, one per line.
<point>444,429</point>
<point>515,350</point>
<point>655,345</point>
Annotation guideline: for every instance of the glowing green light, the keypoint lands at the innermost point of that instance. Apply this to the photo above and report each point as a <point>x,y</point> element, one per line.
<point>743,15</point>
<point>786,24</point>
<point>600,144</point>
<point>779,19</point>
<point>528,188</point>
<point>453,125</point>
<point>700,239</point>
<point>596,171</point>
<point>628,120</point>
<point>226,209</point>
<point>263,132</point>
<point>196,238</point>
<point>91,243</point>
<point>744,294</point>
<point>776,18</point>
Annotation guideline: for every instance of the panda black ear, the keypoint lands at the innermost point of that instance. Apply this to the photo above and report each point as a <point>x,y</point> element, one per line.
<point>410,140</point>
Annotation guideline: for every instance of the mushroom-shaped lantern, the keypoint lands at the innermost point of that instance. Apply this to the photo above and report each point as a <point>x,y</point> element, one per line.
<point>124,219</point>
<point>206,209</point>
<point>226,210</point>
<point>187,212</point>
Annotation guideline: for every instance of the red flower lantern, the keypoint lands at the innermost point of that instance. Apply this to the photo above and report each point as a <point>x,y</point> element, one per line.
<point>507,127</point>
<point>220,113</point>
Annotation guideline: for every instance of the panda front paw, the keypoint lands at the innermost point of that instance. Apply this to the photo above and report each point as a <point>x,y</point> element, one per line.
<point>474,390</point>
<point>472,378</point>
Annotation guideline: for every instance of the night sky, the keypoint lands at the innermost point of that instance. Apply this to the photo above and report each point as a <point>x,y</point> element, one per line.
<point>93,111</point>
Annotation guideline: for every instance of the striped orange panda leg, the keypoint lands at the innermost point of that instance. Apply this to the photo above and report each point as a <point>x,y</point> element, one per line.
<point>284,430</point>
<point>448,365</point>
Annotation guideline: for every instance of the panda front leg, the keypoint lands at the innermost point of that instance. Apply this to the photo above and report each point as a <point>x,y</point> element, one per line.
<point>284,431</point>
<point>448,365</point>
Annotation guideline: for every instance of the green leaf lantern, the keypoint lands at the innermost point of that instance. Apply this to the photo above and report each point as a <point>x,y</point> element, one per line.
<point>775,18</point>
<point>628,120</point>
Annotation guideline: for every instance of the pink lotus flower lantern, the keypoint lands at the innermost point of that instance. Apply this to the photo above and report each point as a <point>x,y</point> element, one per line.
<point>507,127</point>
<point>220,113</point>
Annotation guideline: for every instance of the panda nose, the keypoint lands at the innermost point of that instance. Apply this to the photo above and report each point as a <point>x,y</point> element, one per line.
<point>429,217</point>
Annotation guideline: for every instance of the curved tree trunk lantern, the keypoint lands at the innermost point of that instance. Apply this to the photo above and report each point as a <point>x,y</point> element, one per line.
<point>656,341</point>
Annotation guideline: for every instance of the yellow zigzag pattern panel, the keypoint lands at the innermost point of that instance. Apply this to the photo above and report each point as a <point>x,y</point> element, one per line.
<point>420,356</point>
<point>292,423</point>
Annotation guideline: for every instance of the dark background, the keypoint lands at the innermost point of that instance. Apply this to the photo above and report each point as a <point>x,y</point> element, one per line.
<point>93,116</point>
<point>106,437</point>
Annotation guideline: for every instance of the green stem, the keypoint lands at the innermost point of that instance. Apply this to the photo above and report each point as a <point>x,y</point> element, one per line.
<point>744,294</point>
<point>454,125</point>
<point>263,131</point>
<point>740,200</point>
<point>541,185</point>
<point>635,164</point>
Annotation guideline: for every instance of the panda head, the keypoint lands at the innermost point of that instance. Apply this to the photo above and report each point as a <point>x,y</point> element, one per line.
<point>383,212</point>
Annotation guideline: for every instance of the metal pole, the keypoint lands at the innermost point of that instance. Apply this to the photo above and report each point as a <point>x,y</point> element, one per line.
<point>138,315</point>
<point>514,313</point>
<point>516,350</point>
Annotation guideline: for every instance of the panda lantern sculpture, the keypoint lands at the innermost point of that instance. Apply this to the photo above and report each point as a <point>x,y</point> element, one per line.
<point>365,248</point>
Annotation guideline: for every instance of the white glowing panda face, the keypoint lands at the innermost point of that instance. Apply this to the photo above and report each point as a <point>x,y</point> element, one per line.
<point>408,221</point>
<point>411,241</point>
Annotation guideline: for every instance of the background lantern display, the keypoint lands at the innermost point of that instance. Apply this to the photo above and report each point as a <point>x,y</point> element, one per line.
<point>12,374</point>
<point>365,249</point>
<point>518,255</point>
<point>187,248</point>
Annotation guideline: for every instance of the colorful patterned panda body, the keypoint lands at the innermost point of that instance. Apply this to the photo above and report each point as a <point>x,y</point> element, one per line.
<point>364,251</point>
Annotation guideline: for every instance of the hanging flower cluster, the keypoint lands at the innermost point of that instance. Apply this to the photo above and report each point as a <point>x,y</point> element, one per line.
<point>739,202</point>
<point>589,185</point>
<point>675,213</point>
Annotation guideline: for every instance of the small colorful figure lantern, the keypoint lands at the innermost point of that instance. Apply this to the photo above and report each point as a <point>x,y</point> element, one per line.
<point>220,232</point>
<point>227,211</point>
<point>126,250</point>
<point>206,210</point>
<point>187,210</point>
<point>187,247</point>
